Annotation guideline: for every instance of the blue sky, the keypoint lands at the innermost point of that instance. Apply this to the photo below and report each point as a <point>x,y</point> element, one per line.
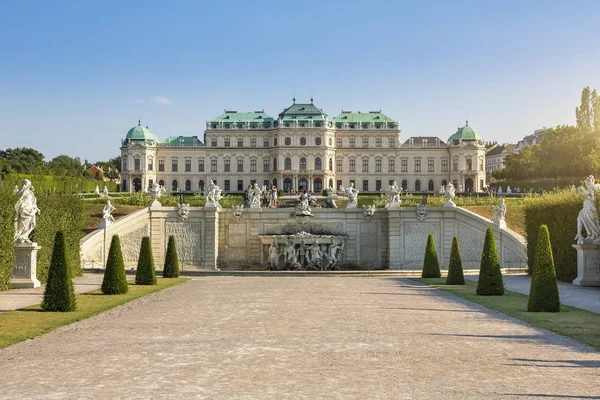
<point>75,76</point>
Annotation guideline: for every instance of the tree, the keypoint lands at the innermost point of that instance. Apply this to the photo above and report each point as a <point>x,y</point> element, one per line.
<point>543,294</point>
<point>171,268</point>
<point>455,269</point>
<point>146,274</point>
<point>115,280</point>
<point>59,294</point>
<point>490,276</point>
<point>22,160</point>
<point>431,266</point>
<point>588,113</point>
<point>64,165</point>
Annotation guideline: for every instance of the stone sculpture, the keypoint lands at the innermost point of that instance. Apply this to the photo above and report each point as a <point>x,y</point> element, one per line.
<point>508,190</point>
<point>499,214</point>
<point>449,193</point>
<point>97,191</point>
<point>213,195</point>
<point>274,255</point>
<point>183,211</point>
<point>304,251</point>
<point>352,194</point>
<point>587,218</point>
<point>443,190</point>
<point>107,218</point>
<point>155,192</point>
<point>369,211</point>
<point>105,192</point>
<point>25,211</point>
<point>393,195</point>
<point>255,198</point>
<point>499,192</point>
<point>238,211</point>
<point>303,209</point>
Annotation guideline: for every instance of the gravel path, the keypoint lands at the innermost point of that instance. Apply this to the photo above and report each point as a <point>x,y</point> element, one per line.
<point>300,338</point>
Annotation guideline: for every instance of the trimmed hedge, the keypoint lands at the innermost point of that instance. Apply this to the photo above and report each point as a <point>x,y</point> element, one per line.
<point>455,269</point>
<point>558,211</point>
<point>431,266</point>
<point>146,274</point>
<point>59,294</point>
<point>171,267</point>
<point>115,280</point>
<point>7,233</point>
<point>543,295</point>
<point>490,281</point>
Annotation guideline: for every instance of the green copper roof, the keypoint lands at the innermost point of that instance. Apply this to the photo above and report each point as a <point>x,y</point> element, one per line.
<point>371,116</point>
<point>466,133</point>
<point>303,112</point>
<point>181,141</point>
<point>234,119</point>
<point>139,133</point>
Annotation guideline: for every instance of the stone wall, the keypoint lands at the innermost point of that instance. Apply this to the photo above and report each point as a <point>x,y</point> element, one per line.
<point>392,239</point>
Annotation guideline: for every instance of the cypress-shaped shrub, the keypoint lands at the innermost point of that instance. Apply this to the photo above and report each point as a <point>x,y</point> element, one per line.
<point>115,280</point>
<point>59,294</point>
<point>455,269</point>
<point>431,266</point>
<point>145,275</point>
<point>171,268</point>
<point>543,294</point>
<point>490,277</point>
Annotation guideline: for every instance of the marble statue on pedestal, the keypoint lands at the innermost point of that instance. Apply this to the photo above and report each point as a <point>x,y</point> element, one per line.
<point>25,211</point>
<point>107,218</point>
<point>393,195</point>
<point>352,194</point>
<point>449,193</point>
<point>499,214</point>
<point>254,196</point>
<point>97,191</point>
<point>105,192</point>
<point>587,218</point>
<point>274,255</point>
<point>213,195</point>
<point>155,192</point>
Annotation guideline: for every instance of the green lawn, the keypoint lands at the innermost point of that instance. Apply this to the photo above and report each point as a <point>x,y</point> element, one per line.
<point>26,323</point>
<point>580,325</point>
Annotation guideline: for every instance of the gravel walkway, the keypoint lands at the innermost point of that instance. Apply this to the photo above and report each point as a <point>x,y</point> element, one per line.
<point>300,338</point>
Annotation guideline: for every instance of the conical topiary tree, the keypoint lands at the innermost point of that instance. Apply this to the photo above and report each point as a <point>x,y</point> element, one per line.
<point>145,275</point>
<point>543,295</point>
<point>455,269</point>
<point>171,268</point>
<point>490,277</point>
<point>59,294</point>
<point>115,280</point>
<point>431,266</point>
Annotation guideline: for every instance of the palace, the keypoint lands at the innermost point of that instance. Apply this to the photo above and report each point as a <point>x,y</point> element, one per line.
<point>302,149</point>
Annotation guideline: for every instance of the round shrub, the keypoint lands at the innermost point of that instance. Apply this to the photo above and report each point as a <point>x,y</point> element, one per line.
<point>171,268</point>
<point>455,269</point>
<point>431,266</point>
<point>145,274</point>
<point>115,280</point>
<point>543,295</point>
<point>59,294</point>
<point>490,281</point>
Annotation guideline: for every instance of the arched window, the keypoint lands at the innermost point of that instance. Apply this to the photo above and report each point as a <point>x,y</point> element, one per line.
<point>287,184</point>
<point>318,141</point>
<point>174,186</point>
<point>444,182</point>
<point>287,164</point>
<point>303,164</point>
<point>430,186</point>
<point>318,165</point>
<point>188,186</point>
<point>330,141</point>
<point>303,141</point>
<point>288,141</point>
<point>275,142</point>
<point>404,185</point>
<point>331,164</point>
<point>275,164</point>
<point>330,182</point>
<point>417,185</point>
<point>318,185</point>
<point>201,186</point>
<point>161,183</point>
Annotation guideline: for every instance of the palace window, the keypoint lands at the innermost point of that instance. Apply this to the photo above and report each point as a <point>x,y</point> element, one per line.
<point>338,142</point>
<point>378,166</point>
<point>303,141</point>
<point>391,165</point>
<point>240,165</point>
<point>469,164</point>
<point>318,141</point>
<point>417,185</point>
<point>253,142</point>
<point>378,185</point>
<point>240,185</point>
<point>188,186</point>
<point>173,165</point>
<point>330,141</point>
<point>352,166</point>
<point>404,165</point>
<point>188,165</point>
<point>331,164</point>
<point>275,142</point>
<point>265,142</point>
<point>404,185</point>
<point>213,142</point>
<point>266,183</point>
<point>378,143</point>
<point>275,164</point>
<point>227,142</point>
<point>430,165</point>
<point>227,165</point>
<point>430,186</point>
<point>338,165</point>
<point>200,165</point>
<point>318,165</point>
<point>213,165</point>
<point>352,142</point>
<point>288,141</point>
<point>161,165</point>
<point>481,165</point>
<point>417,165</point>
<point>391,142</point>
<point>455,164</point>
<point>287,164</point>
<point>444,165</point>
<point>150,166</point>
<point>303,164</point>
<point>136,164</point>
<point>338,184</point>
<point>365,142</point>
<point>240,142</point>
<point>201,186</point>
<point>365,185</point>
<point>227,185</point>
<point>266,166</point>
<point>174,185</point>
<point>365,165</point>
<point>124,166</point>
<point>252,165</point>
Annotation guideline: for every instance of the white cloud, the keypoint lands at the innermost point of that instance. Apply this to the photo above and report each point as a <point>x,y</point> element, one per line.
<point>161,100</point>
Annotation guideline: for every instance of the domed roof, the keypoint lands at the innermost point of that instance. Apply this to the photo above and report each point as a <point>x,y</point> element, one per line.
<point>139,133</point>
<point>466,133</point>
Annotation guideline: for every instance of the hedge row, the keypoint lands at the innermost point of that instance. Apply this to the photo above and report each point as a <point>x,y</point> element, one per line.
<point>558,210</point>
<point>58,212</point>
<point>64,184</point>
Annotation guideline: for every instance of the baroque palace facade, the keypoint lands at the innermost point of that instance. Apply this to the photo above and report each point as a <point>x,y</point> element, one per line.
<point>302,150</point>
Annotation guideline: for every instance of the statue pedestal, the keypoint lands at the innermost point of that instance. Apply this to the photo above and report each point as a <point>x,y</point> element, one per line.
<point>449,204</point>
<point>350,205</point>
<point>394,205</point>
<point>23,275</point>
<point>212,205</point>
<point>588,264</point>
<point>105,224</point>
<point>499,223</point>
